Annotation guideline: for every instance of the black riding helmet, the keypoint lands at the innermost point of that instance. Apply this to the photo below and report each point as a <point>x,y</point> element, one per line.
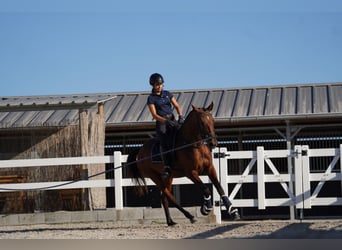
<point>156,78</point>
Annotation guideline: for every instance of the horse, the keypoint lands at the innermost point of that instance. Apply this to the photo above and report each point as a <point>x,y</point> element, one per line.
<point>193,143</point>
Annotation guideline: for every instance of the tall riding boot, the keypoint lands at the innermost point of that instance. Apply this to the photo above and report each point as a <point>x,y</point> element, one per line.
<point>167,165</point>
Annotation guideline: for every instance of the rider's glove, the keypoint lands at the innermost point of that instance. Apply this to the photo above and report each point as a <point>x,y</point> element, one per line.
<point>171,123</point>
<point>180,119</point>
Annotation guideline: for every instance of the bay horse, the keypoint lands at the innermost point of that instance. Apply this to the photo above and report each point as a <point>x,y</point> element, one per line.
<point>192,158</point>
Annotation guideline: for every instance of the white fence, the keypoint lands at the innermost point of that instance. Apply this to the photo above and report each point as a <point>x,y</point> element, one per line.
<point>117,159</point>
<point>296,183</point>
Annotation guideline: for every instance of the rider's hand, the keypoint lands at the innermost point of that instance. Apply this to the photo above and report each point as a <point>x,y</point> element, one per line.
<point>180,119</point>
<point>171,123</point>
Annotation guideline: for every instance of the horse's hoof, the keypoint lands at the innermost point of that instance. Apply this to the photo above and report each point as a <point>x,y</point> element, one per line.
<point>205,211</point>
<point>192,220</point>
<point>172,223</point>
<point>235,216</point>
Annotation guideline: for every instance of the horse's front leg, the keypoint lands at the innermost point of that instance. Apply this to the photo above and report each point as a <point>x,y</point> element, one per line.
<point>233,212</point>
<point>207,206</point>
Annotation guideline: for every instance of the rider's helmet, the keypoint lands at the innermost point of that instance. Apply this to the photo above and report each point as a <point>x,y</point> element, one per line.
<point>156,78</point>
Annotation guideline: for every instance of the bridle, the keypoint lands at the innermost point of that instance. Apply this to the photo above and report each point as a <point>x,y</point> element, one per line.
<point>205,135</point>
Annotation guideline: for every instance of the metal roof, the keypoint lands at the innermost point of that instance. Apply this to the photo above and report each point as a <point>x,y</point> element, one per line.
<point>129,109</point>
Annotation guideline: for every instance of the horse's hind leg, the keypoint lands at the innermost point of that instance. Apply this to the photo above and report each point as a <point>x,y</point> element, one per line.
<point>165,203</point>
<point>166,197</point>
<point>169,220</point>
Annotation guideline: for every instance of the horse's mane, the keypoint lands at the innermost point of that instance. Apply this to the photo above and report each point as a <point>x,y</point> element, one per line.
<point>196,110</point>
<point>189,118</point>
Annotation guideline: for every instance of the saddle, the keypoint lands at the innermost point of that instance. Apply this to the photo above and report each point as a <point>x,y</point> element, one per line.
<point>156,150</point>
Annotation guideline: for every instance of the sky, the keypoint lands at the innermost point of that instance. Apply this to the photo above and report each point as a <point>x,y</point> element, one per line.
<point>60,47</point>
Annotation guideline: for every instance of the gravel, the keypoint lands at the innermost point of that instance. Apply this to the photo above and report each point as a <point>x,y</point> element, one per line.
<point>265,229</point>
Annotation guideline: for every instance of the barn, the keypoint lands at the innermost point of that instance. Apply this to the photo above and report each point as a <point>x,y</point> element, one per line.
<point>275,117</point>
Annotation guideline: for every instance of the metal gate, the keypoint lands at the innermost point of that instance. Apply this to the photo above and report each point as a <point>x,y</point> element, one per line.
<point>301,182</point>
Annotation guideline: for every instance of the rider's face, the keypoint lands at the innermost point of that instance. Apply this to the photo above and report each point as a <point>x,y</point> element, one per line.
<point>157,87</point>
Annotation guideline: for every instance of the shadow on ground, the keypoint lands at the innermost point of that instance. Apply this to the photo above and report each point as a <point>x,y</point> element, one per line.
<point>301,230</point>
<point>217,231</point>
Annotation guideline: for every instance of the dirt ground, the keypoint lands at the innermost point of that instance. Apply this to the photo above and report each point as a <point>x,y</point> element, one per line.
<point>265,229</point>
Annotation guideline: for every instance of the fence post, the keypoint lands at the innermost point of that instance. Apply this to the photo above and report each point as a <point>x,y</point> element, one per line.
<point>118,180</point>
<point>219,165</point>
<point>224,171</point>
<point>306,176</point>
<point>341,165</point>
<point>298,170</point>
<point>261,177</point>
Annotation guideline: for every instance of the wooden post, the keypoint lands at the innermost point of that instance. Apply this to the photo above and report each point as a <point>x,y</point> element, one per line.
<point>96,143</point>
<point>100,108</point>
<point>83,125</point>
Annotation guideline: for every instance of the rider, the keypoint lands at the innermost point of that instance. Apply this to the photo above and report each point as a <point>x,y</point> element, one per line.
<point>160,103</point>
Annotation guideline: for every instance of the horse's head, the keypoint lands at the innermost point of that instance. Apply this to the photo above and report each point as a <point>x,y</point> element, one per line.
<point>205,123</point>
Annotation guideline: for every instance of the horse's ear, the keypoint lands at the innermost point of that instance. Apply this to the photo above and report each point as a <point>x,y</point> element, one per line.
<point>195,108</point>
<point>210,107</point>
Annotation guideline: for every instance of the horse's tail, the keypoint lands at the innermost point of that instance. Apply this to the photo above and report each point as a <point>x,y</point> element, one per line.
<point>135,174</point>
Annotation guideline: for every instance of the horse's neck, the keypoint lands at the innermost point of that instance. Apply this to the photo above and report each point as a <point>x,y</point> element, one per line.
<point>189,133</point>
